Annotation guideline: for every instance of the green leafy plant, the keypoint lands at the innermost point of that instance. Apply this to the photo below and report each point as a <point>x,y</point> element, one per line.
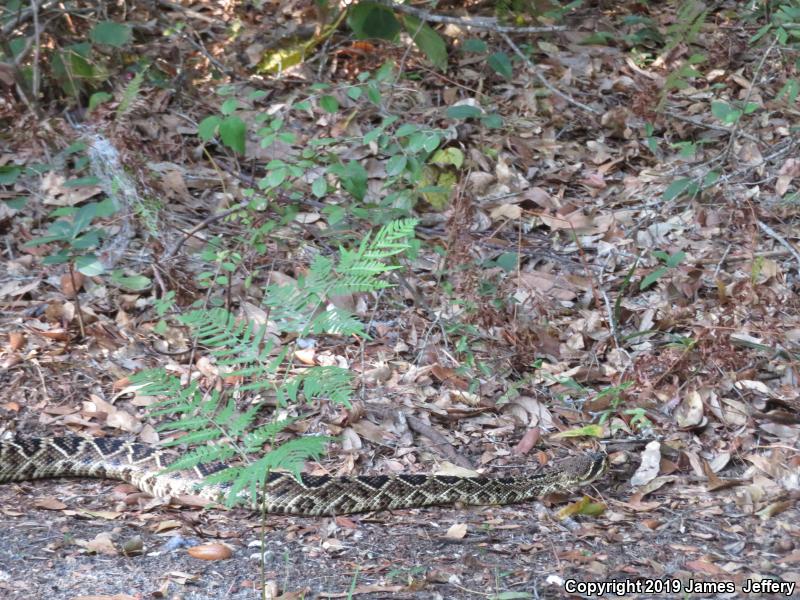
<point>616,395</point>
<point>373,20</point>
<point>211,423</point>
<point>671,261</point>
<point>407,150</point>
<point>75,236</point>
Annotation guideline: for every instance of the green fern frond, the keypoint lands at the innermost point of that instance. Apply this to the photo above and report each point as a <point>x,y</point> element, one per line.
<point>130,93</point>
<point>196,436</point>
<point>291,455</point>
<point>241,423</point>
<point>337,322</point>
<point>329,382</point>
<point>204,455</point>
<point>243,348</point>
<point>255,440</point>
<point>244,481</point>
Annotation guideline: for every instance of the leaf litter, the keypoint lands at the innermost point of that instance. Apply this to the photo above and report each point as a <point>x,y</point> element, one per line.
<point>615,278</point>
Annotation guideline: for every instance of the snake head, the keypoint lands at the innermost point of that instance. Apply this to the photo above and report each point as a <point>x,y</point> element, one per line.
<point>582,470</point>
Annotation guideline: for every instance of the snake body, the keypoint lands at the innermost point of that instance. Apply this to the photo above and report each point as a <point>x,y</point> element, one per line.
<point>142,465</point>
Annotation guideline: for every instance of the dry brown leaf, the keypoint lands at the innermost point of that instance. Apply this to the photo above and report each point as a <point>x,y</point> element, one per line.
<point>374,433</point>
<point>57,194</point>
<point>16,340</point>
<point>510,212</point>
<point>448,468</point>
<point>101,544</point>
<point>71,283</point>
<point>650,465</point>
<point>49,503</point>
<point>449,376</point>
<point>704,566</point>
<point>305,356</point>
<point>690,411</point>
<point>527,442</point>
<point>167,525</point>
<point>108,515</point>
<point>457,531</point>
<point>211,551</point>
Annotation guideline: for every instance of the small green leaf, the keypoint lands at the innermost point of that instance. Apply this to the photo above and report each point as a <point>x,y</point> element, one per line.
<point>511,596</point>
<point>396,164</point>
<point>369,20</point>
<point>651,278</point>
<point>751,107</point>
<point>501,64</point>
<point>374,93</point>
<point>474,45</point>
<point>110,34</point>
<point>372,135</point>
<point>492,121</point>
<point>89,265</point>
<point>448,156</point>
<point>329,104</point>
<point>353,177</point>
<point>98,98</point>
<point>208,127</point>
<point>276,177</point>
<point>335,213</point>
<point>680,187</point>
<point>134,283</point>
<point>463,112</point>
<point>586,430</point>
<point>508,261</point>
<point>81,182</point>
<point>229,106</point>
<point>232,131</point>
<point>676,259</point>
<point>320,187</point>
<point>431,142</point>
<point>17,203</point>
<point>430,42</point>
<point>406,129</point>
<point>9,174</point>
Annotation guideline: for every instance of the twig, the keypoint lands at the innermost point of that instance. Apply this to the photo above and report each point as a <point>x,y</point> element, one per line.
<point>712,126</point>
<point>756,75</point>
<point>187,11</point>
<point>721,261</point>
<point>422,428</point>
<point>202,225</point>
<point>24,15</point>
<point>544,81</point>
<point>487,23</point>
<point>79,310</point>
<point>777,237</point>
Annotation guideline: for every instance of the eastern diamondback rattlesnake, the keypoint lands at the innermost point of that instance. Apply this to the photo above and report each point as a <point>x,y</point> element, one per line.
<point>26,458</point>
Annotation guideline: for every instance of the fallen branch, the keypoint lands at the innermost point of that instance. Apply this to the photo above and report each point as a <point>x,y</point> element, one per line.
<point>487,23</point>
<point>422,428</point>
<point>544,81</point>
<point>777,237</point>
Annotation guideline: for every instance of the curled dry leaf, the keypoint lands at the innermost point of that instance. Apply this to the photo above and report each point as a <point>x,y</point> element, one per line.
<point>101,544</point>
<point>71,283</point>
<point>50,503</point>
<point>457,531</point>
<point>305,356</point>
<point>16,340</point>
<point>689,413</point>
<point>528,441</point>
<point>211,551</point>
<point>649,467</point>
